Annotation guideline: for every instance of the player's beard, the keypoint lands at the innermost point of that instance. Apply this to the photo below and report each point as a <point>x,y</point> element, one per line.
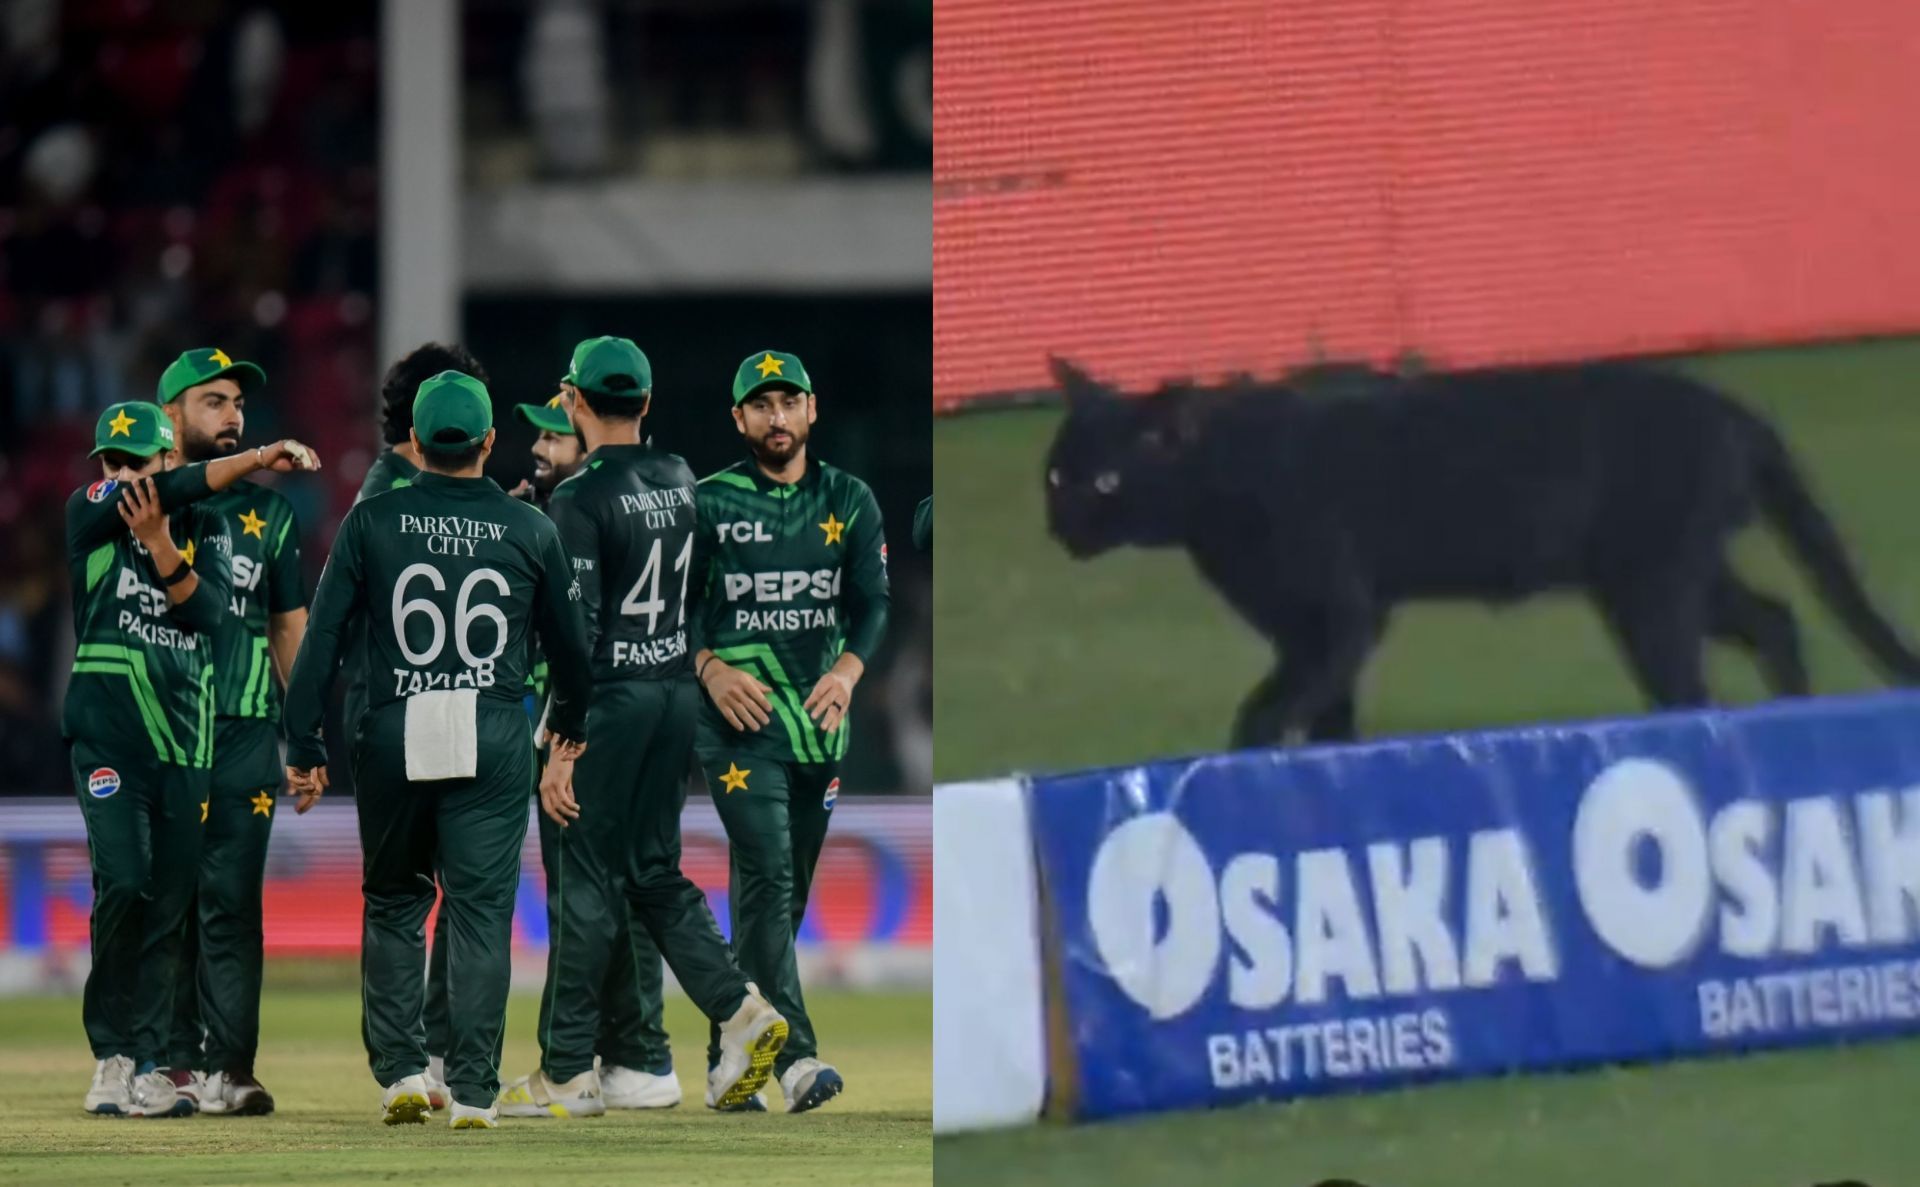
<point>546,475</point>
<point>197,447</point>
<point>768,454</point>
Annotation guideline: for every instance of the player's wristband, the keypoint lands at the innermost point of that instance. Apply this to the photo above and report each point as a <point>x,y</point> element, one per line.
<point>178,575</point>
<point>700,673</point>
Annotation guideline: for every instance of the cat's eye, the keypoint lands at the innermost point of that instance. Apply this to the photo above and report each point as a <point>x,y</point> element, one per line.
<point>1107,482</point>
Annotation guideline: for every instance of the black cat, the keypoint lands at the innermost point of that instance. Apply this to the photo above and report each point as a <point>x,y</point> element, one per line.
<point>1314,516</point>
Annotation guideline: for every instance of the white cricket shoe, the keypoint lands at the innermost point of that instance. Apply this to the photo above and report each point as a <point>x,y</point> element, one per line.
<point>188,1083</point>
<point>437,1095</point>
<point>468,1117</point>
<point>808,1084</point>
<point>538,1095</point>
<point>405,1102</point>
<point>235,1093</point>
<point>630,1088</point>
<point>111,1094</point>
<point>155,1096</point>
<point>749,1043</point>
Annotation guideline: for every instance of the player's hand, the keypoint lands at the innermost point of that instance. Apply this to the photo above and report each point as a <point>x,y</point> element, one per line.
<point>556,792</point>
<point>827,703</point>
<point>524,490</point>
<point>562,748</point>
<point>140,507</point>
<point>283,457</point>
<point>306,786</point>
<point>741,699</point>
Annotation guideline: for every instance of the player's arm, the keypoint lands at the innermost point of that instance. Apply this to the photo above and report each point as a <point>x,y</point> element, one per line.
<point>91,524</point>
<point>865,600</point>
<point>337,602</point>
<point>563,638</point>
<point>286,598</point>
<point>740,697</point>
<point>923,524</point>
<point>580,546</point>
<point>212,595</point>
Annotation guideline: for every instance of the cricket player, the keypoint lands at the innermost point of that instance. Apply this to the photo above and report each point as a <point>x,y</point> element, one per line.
<point>627,520</point>
<point>450,575</point>
<point>150,577</point>
<point>216,1016</point>
<point>634,1059</point>
<point>396,466</point>
<point>791,576</point>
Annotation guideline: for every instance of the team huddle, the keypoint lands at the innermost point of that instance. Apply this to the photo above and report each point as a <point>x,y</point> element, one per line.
<point>595,639</point>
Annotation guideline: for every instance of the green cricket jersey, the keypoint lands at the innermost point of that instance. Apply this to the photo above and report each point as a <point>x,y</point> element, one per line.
<point>266,581</point>
<point>626,518</point>
<point>787,577</point>
<point>451,576</point>
<point>143,668</point>
<point>389,471</point>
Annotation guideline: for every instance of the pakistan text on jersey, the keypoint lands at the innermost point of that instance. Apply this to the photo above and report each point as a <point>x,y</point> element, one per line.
<point>406,682</point>
<point>650,653</point>
<point>451,535</point>
<point>784,620</point>
<point>155,634</point>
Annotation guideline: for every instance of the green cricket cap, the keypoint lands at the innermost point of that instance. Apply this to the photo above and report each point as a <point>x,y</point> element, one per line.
<point>451,412</point>
<point>550,417</point>
<point>609,366</point>
<point>769,368</point>
<point>205,364</point>
<point>138,427</point>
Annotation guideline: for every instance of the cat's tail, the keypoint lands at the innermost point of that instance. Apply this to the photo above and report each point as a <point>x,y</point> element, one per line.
<point>1789,505</point>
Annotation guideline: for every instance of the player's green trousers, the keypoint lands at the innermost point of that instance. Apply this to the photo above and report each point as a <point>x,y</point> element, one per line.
<point>466,833</point>
<point>143,836</point>
<point>617,869</point>
<point>776,816</point>
<point>219,1003</point>
<point>632,1034</point>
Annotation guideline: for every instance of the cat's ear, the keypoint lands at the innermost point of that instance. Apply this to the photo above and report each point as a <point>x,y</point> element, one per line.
<point>1075,384</point>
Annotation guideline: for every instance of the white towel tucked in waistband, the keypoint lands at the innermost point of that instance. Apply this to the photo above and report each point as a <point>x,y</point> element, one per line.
<point>441,740</point>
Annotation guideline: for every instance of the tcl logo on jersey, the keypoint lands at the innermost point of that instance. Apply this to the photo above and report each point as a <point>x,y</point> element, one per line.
<point>744,533</point>
<point>99,491</point>
<point>103,782</point>
<point>783,586</point>
<point>833,793</point>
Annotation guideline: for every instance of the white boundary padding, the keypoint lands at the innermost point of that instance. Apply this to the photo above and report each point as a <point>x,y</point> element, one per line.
<point>989,1043</point>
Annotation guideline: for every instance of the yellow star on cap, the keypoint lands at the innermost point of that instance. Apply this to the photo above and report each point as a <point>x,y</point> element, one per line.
<point>120,424</point>
<point>253,525</point>
<point>770,366</point>
<point>262,805</point>
<point>735,779</point>
<point>203,811</point>
<point>832,528</point>
<point>186,553</point>
<point>220,356</point>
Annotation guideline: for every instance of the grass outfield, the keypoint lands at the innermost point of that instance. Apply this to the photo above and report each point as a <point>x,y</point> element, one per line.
<point>327,1129</point>
<point>1047,664</point>
<point>1785,1120</point>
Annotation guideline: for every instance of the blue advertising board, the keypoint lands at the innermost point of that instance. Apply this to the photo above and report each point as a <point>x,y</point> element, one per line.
<point>1288,923</point>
